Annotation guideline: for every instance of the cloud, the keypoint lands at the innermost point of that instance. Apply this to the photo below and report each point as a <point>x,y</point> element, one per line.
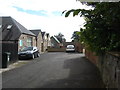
<point>49,5</point>
<point>39,13</point>
<point>44,15</point>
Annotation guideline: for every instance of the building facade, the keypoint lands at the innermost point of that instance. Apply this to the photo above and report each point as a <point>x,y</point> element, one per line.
<point>14,37</point>
<point>39,40</point>
<point>26,41</point>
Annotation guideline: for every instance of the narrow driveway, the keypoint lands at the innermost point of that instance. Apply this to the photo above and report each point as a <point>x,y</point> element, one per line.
<point>54,70</point>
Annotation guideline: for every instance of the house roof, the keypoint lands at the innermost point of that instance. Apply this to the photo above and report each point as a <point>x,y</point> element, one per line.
<point>11,29</point>
<point>36,32</point>
<point>55,39</point>
<point>22,28</point>
<point>43,33</point>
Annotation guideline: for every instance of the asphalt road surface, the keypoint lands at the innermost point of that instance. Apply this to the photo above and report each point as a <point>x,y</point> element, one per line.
<point>54,70</point>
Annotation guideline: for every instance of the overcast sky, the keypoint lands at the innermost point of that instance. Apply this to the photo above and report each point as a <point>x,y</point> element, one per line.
<point>44,14</point>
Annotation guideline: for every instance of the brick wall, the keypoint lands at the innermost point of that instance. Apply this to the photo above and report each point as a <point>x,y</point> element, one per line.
<point>91,56</point>
<point>78,47</point>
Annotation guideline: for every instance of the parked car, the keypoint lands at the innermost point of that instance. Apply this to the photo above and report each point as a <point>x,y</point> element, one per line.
<point>28,52</point>
<point>70,48</point>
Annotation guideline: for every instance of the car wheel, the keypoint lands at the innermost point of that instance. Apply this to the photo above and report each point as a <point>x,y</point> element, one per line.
<point>38,55</point>
<point>33,56</point>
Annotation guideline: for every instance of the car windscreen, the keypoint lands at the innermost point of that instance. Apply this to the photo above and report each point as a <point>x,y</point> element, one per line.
<point>70,46</point>
<point>27,49</point>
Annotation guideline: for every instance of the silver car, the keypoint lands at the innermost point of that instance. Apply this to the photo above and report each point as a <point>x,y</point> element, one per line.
<point>70,48</point>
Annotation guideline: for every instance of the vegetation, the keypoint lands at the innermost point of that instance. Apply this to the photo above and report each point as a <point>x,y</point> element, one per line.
<point>75,36</point>
<point>60,37</point>
<point>101,31</point>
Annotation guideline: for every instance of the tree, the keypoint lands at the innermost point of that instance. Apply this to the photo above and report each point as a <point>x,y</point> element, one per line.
<point>101,31</point>
<point>60,37</point>
<point>75,36</point>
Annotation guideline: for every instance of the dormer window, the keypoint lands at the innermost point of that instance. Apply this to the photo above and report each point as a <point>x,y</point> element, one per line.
<point>9,27</point>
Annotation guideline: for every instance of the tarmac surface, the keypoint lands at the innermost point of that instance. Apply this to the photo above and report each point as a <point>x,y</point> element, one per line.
<point>54,70</point>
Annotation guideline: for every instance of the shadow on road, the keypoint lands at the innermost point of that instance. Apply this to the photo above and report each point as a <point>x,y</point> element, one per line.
<point>82,74</point>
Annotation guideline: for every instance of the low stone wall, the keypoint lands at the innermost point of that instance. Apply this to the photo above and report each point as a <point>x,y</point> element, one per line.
<point>56,50</point>
<point>109,66</point>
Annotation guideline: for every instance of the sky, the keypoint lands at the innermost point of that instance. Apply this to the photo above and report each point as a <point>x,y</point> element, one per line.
<point>45,15</point>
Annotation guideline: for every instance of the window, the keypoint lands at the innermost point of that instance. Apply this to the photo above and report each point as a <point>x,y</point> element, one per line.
<point>9,27</point>
<point>29,41</point>
<point>21,43</point>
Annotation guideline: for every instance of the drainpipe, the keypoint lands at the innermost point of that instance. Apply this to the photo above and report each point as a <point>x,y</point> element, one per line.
<point>36,42</point>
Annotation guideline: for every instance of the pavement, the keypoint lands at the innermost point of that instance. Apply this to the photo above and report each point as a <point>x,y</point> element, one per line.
<point>14,65</point>
<point>54,70</point>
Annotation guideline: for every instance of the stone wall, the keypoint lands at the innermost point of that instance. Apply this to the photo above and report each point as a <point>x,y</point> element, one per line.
<point>50,49</point>
<point>109,66</point>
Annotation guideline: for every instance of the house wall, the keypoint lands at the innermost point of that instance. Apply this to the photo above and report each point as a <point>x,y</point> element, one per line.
<point>48,41</point>
<point>44,43</point>
<point>23,41</point>
<point>39,42</point>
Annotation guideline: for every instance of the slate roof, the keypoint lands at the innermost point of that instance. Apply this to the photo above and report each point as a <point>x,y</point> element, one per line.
<point>36,32</point>
<point>15,31</point>
<point>23,29</point>
<point>55,39</point>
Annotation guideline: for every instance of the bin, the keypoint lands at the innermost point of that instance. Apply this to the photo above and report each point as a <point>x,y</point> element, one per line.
<point>5,59</point>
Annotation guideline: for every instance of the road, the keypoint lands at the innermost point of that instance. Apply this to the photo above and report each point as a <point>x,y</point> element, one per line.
<point>54,70</point>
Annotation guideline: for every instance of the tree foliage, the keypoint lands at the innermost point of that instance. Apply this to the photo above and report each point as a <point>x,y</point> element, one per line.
<point>102,32</point>
<point>75,36</point>
<point>60,37</point>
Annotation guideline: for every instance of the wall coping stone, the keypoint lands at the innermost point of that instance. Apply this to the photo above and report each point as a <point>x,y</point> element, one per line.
<point>117,54</point>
